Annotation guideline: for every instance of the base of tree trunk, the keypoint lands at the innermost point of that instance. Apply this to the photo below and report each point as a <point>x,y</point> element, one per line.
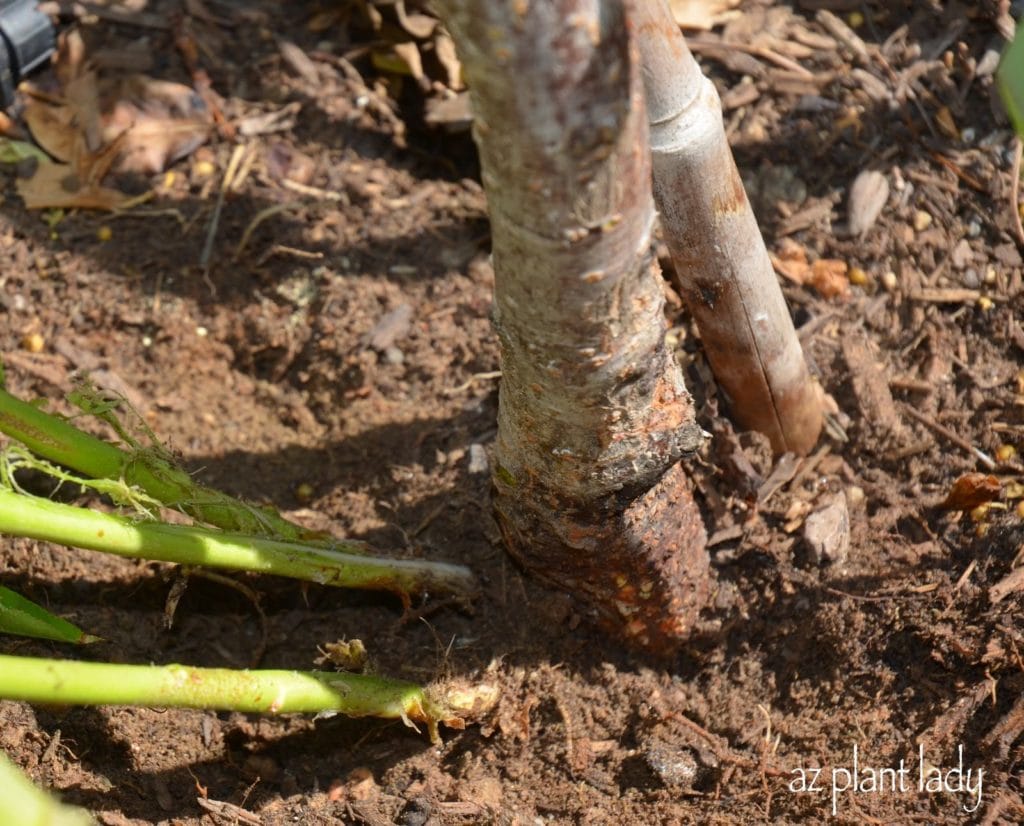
<point>640,565</point>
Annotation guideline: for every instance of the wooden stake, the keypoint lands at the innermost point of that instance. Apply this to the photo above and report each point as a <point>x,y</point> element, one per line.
<point>724,273</point>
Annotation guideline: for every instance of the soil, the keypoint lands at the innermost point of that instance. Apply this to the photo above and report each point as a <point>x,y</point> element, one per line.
<point>893,630</point>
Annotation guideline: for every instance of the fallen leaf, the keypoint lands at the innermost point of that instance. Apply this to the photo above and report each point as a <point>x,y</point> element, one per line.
<point>420,26</point>
<point>970,491</point>
<point>409,53</point>
<point>444,48</point>
<point>702,15</point>
<point>55,186</point>
<point>158,122</point>
<point>74,185</point>
<point>152,123</point>
<point>51,127</point>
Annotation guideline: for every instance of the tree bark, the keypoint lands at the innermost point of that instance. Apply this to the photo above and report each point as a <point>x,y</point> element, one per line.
<point>593,413</point>
<point>723,269</point>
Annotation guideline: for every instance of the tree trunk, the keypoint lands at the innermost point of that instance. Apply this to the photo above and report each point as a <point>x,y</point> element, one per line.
<point>722,266</point>
<point>593,415</point>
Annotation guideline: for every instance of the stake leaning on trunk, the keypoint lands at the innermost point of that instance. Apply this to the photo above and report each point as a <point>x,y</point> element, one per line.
<point>593,414</point>
<point>722,266</point>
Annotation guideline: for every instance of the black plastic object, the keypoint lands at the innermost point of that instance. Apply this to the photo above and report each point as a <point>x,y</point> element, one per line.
<point>26,40</point>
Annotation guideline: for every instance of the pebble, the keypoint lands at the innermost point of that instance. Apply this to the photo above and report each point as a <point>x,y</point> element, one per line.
<point>827,533</point>
<point>478,462</point>
<point>922,220</point>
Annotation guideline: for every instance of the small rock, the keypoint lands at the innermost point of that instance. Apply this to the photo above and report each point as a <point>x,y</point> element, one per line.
<point>392,355</point>
<point>781,183</point>
<point>922,220</point>
<point>478,462</point>
<point>416,812</point>
<point>827,533</point>
<point>360,784</point>
<point>868,194</point>
<point>1007,254</point>
<point>962,253</point>
<point>391,327</point>
<point>676,768</point>
<point>988,64</point>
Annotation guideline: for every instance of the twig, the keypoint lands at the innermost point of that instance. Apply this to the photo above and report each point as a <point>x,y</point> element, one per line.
<point>453,391</point>
<point>237,814</point>
<point>710,47</point>
<point>258,219</point>
<point>1018,149</point>
<point>225,185</point>
<point>314,191</point>
<point>946,433</point>
<point>294,252</point>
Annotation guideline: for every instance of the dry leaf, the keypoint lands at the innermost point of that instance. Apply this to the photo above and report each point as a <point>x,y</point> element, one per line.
<point>157,121</point>
<point>444,48</point>
<point>153,122</point>
<point>139,122</point>
<point>702,15</point>
<point>410,54</point>
<point>51,127</point>
<point>420,26</point>
<point>970,491</point>
<point>76,184</point>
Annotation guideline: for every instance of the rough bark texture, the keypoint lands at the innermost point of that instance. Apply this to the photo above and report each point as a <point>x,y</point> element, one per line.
<point>594,415</point>
<point>724,273</point>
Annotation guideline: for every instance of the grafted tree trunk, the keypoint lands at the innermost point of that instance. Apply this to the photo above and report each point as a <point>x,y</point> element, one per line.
<point>594,415</point>
<point>722,266</point>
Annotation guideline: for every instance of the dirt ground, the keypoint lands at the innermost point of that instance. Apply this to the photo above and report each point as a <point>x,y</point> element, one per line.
<point>270,374</point>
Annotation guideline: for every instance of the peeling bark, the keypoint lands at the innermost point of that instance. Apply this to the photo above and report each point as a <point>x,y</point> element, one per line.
<point>593,414</point>
<point>723,269</point>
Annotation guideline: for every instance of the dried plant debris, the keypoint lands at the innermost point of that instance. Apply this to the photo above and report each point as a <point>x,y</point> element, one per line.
<point>868,194</point>
<point>405,40</point>
<point>702,15</point>
<point>92,126</point>
<point>971,491</point>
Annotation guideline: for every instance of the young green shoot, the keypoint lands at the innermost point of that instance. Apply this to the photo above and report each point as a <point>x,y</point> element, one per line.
<point>43,519</point>
<point>23,617</point>
<point>23,803</point>
<point>65,682</point>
